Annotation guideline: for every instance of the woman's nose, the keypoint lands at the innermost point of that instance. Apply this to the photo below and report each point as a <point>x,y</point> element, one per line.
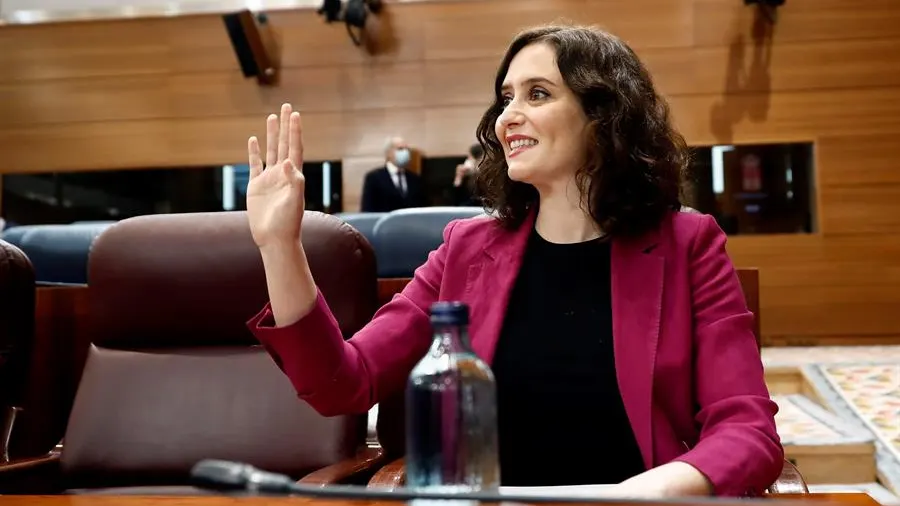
<point>510,117</point>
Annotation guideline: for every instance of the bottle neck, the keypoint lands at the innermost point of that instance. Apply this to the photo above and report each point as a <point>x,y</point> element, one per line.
<point>451,338</point>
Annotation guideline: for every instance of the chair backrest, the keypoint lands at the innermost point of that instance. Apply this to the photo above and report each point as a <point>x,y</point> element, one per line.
<point>363,222</point>
<point>17,302</point>
<point>403,238</point>
<point>60,252</point>
<point>173,374</point>
<point>749,278</point>
<point>13,235</point>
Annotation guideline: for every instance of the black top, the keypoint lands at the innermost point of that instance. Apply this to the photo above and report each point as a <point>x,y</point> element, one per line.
<point>560,414</point>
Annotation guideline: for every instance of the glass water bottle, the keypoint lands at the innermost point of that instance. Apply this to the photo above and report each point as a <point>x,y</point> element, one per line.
<point>451,410</point>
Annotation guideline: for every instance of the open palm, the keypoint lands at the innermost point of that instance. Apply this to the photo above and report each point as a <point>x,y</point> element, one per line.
<point>275,192</point>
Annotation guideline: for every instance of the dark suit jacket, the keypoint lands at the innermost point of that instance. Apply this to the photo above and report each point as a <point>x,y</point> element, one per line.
<point>464,194</point>
<point>379,194</point>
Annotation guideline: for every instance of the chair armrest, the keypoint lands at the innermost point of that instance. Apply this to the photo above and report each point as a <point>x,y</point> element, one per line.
<point>32,475</point>
<point>355,470</point>
<point>789,482</point>
<point>390,477</point>
<point>29,463</point>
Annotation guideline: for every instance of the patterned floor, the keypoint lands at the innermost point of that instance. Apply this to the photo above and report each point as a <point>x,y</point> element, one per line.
<point>866,395</point>
<point>860,385</point>
<point>873,391</point>
<point>801,421</point>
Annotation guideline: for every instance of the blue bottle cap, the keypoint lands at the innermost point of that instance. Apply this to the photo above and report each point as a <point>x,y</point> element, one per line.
<point>450,313</point>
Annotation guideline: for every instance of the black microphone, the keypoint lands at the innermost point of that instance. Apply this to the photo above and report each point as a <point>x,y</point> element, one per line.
<point>224,475</point>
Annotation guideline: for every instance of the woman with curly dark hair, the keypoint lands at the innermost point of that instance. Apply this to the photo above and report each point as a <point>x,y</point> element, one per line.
<point>628,159</point>
<point>615,325</point>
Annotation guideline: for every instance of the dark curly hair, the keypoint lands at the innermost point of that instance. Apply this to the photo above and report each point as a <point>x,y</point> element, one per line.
<point>635,159</point>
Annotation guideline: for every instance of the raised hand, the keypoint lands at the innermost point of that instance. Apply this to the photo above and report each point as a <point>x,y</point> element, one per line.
<point>275,192</point>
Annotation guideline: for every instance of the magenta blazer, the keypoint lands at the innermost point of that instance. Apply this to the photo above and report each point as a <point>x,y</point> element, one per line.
<point>688,366</point>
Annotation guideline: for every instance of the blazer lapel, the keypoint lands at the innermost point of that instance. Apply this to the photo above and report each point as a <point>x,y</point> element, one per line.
<point>637,288</point>
<point>490,283</point>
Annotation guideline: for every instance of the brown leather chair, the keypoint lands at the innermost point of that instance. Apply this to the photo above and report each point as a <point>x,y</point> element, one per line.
<point>391,419</point>
<point>174,376</point>
<point>17,293</point>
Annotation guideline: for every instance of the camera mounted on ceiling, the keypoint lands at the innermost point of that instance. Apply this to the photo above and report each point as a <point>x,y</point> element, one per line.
<point>352,12</point>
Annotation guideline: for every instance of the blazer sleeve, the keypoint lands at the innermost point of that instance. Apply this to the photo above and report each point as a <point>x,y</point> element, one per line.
<point>343,377</point>
<point>738,450</point>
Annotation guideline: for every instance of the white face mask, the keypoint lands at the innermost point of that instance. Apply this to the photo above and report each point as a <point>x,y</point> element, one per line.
<point>401,157</point>
<point>469,164</point>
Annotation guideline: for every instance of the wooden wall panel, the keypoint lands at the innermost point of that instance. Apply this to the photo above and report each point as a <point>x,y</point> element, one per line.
<point>719,22</point>
<point>816,261</point>
<point>683,74</point>
<point>102,99</point>
<point>355,168</point>
<point>699,77</point>
<point>226,138</point>
<point>744,67</point>
<point>848,209</point>
<point>365,132</point>
<point>205,95</point>
<point>786,116</point>
<point>88,49</point>
<point>858,160</point>
<point>451,129</point>
<point>820,289</point>
<point>838,311</point>
<point>168,92</point>
<point>383,87</point>
<point>157,143</point>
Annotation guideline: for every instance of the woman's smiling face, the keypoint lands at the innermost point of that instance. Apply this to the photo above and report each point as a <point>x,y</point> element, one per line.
<point>542,127</point>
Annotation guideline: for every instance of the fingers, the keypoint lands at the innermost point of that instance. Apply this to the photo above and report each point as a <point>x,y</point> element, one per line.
<point>271,140</point>
<point>283,139</point>
<point>284,132</point>
<point>296,141</point>
<point>291,171</point>
<point>256,164</point>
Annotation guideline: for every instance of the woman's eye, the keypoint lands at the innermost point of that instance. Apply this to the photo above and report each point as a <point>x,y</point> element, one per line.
<point>537,94</point>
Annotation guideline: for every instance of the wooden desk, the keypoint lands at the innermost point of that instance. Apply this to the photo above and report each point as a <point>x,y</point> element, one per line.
<point>848,499</point>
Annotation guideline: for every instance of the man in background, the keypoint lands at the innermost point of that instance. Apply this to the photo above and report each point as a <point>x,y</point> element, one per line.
<point>393,186</point>
<point>464,182</point>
